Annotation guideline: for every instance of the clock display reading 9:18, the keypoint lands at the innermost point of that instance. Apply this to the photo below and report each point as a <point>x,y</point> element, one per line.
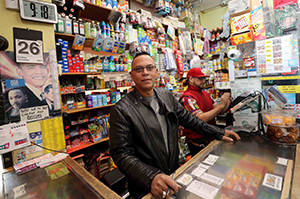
<point>43,11</point>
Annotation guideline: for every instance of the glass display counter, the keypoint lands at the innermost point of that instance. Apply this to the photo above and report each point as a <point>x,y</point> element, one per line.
<point>250,168</point>
<point>38,183</point>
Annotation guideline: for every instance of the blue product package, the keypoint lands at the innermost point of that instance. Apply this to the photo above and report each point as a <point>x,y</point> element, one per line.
<point>122,46</point>
<point>60,62</point>
<point>64,49</point>
<point>66,42</point>
<point>95,100</point>
<point>60,41</point>
<point>104,100</point>
<point>99,97</point>
<point>107,44</point>
<point>114,4</point>
<point>113,98</point>
<point>108,2</point>
<point>89,101</point>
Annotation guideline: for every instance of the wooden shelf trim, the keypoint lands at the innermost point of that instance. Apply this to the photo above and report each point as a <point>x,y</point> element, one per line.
<point>86,145</point>
<point>77,110</point>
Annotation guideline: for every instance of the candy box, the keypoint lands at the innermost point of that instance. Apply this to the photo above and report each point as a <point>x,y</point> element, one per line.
<point>240,23</point>
<point>241,38</point>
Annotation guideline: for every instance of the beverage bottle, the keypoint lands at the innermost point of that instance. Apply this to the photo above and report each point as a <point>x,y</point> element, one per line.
<point>75,26</point>
<point>81,27</point>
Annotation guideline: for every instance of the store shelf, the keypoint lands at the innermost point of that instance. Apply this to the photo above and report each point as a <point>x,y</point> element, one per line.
<point>222,85</point>
<point>105,89</point>
<point>96,73</point>
<point>90,12</point>
<point>86,145</point>
<point>77,110</point>
<point>101,53</point>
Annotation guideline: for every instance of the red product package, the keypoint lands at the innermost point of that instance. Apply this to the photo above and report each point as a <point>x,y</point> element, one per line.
<point>179,62</point>
<point>280,3</point>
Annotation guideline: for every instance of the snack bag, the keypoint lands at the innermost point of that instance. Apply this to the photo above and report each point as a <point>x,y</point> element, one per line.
<point>241,38</point>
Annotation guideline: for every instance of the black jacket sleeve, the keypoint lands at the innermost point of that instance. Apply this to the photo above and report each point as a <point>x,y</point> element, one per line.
<point>189,121</point>
<point>122,152</point>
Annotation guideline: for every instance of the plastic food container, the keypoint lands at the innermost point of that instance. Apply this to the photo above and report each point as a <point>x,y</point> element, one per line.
<point>279,117</point>
<point>283,134</point>
<point>281,125</point>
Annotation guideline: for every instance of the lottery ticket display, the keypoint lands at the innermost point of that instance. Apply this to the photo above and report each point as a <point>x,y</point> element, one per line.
<point>277,55</point>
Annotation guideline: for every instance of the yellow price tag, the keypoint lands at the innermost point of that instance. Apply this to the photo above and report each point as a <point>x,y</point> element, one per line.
<point>269,55</point>
<point>268,42</point>
<point>268,51</point>
<point>268,46</point>
<point>268,60</point>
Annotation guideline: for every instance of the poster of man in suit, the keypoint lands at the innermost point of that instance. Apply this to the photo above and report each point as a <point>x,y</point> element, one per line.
<point>24,85</point>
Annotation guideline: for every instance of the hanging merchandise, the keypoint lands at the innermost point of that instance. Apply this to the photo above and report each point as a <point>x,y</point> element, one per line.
<point>170,62</point>
<point>206,41</point>
<point>269,19</point>
<point>198,44</point>
<point>257,24</point>
<point>226,26</point>
<point>185,43</point>
<point>280,3</point>
<point>277,55</point>
<point>287,19</point>
<point>238,6</point>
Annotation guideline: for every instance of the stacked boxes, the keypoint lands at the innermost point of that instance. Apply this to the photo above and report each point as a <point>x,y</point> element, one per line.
<point>70,64</point>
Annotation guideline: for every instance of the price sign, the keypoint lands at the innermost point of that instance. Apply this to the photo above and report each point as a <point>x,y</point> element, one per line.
<point>28,46</point>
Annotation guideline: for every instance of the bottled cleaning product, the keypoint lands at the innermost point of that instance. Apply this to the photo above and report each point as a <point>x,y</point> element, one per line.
<point>112,67</point>
<point>75,26</point>
<point>98,29</point>
<point>61,23</point>
<point>117,64</point>
<point>107,30</point>
<point>107,44</point>
<point>103,28</point>
<point>93,30</point>
<point>125,64</point>
<point>121,63</point>
<point>87,29</point>
<point>68,25</point>
<point>81,27</point>
<point>105,65</point>
<point>86,66</point>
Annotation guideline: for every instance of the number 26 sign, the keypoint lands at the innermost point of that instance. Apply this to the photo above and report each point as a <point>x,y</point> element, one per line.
<point>28,46</point>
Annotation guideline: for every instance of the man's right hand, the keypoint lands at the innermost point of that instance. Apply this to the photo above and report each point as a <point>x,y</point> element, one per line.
<point>161,183</point>
<point>224,99</point>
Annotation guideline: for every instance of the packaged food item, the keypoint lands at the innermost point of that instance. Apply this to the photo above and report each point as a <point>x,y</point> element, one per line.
<point>240,23</point>
<point>257,24</point>
<point>241,38</point>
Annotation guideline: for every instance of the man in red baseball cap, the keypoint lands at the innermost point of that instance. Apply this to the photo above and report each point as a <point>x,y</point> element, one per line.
<point>200,104</point>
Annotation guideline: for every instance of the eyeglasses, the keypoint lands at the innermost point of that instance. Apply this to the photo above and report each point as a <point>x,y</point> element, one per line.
<point>201,78</point>
<point>140,69</point>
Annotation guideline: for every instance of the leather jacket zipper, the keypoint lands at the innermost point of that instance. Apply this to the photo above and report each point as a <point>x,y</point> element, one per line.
<point>160,153</point>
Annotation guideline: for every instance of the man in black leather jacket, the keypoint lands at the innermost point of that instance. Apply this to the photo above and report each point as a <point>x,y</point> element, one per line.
<point>143,132</point>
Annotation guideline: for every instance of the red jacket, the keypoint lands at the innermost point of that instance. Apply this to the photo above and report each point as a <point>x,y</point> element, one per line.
<point>204,102</point>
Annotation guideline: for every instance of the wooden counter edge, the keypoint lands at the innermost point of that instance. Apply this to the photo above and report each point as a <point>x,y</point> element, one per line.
<point>296,177</point>
<point>92,181</point>
<point>194,159</point>
<point>287,180</point>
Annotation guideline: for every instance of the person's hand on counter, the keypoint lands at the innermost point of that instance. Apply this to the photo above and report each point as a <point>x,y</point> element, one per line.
<point>160,185</point>
<point>229,135</point>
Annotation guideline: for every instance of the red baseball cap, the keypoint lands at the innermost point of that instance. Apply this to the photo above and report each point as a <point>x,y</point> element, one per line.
<point>196,72</point>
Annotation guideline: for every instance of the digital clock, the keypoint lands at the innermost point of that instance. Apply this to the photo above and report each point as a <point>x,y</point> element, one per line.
<point>38,11</point>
